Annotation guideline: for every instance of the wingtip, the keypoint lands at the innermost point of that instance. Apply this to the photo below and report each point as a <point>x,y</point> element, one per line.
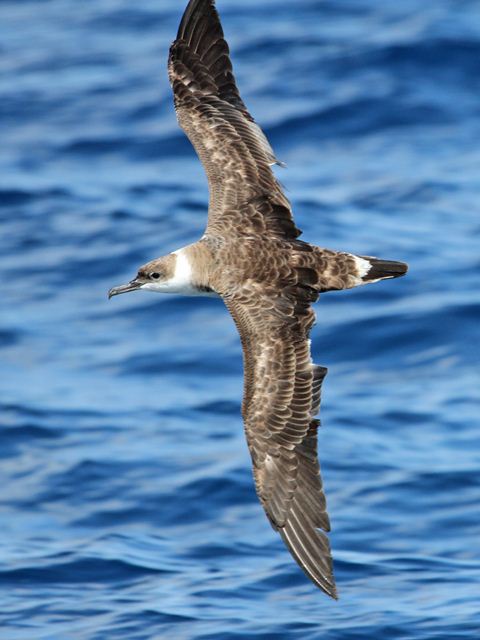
<point>322,577</point>
<point>193,11</point>
<point>333,594</point>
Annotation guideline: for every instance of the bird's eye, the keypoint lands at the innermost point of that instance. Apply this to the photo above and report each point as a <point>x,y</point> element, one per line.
<point>155,275</point>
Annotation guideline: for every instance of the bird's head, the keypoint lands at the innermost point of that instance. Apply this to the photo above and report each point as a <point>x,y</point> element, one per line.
<point>156,275</point>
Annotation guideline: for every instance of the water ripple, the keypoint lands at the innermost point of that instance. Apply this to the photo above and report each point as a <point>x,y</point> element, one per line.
<point>128,508</point>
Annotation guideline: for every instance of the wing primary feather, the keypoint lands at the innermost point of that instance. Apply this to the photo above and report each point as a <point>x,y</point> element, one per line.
<point>311,550</point>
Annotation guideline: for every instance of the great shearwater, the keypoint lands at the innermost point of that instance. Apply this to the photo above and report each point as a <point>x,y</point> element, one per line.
<point>251,257</point>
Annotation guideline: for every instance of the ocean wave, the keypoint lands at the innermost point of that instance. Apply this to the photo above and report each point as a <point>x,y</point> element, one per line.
<point>128,508</point>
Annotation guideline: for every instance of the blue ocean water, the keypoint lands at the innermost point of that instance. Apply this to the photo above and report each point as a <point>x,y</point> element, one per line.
<point>127,507</point>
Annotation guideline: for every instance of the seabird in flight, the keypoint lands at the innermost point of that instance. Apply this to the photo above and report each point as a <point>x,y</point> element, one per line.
<point>251,257</point>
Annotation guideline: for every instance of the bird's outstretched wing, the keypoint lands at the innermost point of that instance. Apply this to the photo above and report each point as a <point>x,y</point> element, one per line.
<point>282,386</point>
<point>231,146</point>
<point>281,399</point>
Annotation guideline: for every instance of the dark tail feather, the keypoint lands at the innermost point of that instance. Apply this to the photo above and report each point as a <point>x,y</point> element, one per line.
<point>380,269</point>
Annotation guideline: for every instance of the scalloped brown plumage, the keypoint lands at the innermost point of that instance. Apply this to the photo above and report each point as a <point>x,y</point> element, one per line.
<point>250,255</point>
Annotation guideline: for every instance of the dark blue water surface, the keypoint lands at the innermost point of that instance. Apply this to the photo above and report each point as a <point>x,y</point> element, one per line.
<point>127,504</point>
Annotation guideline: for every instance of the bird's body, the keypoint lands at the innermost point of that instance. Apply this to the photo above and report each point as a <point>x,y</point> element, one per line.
<point>251,257</point>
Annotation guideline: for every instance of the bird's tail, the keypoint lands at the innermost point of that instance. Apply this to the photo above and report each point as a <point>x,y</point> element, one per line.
<point>374,269</point>
<point>336,270</point>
